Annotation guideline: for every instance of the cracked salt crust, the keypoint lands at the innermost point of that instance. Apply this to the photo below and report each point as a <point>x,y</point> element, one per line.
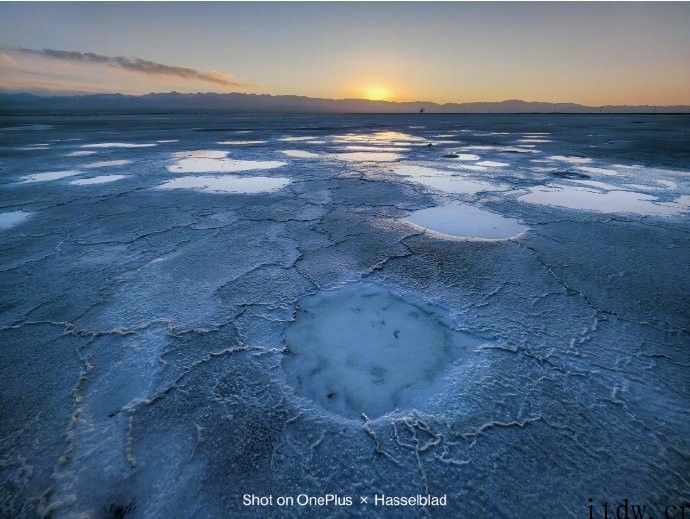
<point>227,184</point>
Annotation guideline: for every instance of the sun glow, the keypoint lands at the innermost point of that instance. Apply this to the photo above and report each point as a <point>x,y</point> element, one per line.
<point>376,93</point>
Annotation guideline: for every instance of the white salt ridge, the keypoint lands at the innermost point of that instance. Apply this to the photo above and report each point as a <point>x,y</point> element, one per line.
<point>667,183</point>
<point>492,164</point>
<point>83,153</point>
<point>501,149</point>
<point>469,167</point>
<point>597,171</point>
<point>50,175</point>
<point>446,181</point>
<point>363,350</point>
<point>227,184</point>
<point>103,179</point>
<point>368,156</point>
<point>106,164</point>
<point>211,161</point>
<point>606,201</point>
<point>241,143</point>
<point>13,218</point>
<point>466,222</point>
<point>294,139</point>
<point>359,147</point>
<point>117,145</point>
<point>604,186</point>
<point>640,187</point>
<point>300,154</point>
<point>571,160</point>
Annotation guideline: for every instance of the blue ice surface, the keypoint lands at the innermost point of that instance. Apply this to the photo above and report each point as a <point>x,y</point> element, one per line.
<point>285,330</point>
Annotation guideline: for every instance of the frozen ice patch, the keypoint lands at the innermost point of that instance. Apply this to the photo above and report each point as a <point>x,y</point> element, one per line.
<point>365,156</point>
<point>362,349</point>
<point>605,201</point>
<point>389,138</point>
<point>212,161</point>
<point>82,153</point>
<point>227,184</point>
<point>103,179</point>
<point>12,218</point>
<point>300,154</point>
<point>446,181</point>
<point>106,164</point>
<point>50,175</point>
<point>466,222</point>
<point>571,160</point>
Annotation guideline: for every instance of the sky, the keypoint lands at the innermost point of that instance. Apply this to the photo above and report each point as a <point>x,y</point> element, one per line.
<point>591,53</point>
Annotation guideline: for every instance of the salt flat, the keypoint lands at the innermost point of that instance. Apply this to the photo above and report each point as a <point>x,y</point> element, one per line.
<point>342,302</point>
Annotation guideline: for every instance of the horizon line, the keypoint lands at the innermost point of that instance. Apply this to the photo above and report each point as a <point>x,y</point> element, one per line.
<point>344,99</point>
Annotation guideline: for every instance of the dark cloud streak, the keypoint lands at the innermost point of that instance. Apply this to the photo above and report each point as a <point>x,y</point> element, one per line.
<point>137,65</point>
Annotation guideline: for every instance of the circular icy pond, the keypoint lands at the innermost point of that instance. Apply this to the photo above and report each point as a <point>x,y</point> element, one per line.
<point>466,222</point>
<point>362,349</point>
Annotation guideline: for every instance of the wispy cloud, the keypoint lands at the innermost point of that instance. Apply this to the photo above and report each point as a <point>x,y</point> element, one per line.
<point>137,65</point>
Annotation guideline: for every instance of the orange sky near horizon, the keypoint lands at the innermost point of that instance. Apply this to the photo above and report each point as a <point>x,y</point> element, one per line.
<point>587,53</point>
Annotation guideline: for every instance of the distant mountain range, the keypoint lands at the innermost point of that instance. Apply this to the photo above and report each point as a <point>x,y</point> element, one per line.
<point>19,103</point>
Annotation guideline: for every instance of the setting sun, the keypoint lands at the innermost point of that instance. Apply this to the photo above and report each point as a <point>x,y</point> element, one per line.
<point>377,93</point>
